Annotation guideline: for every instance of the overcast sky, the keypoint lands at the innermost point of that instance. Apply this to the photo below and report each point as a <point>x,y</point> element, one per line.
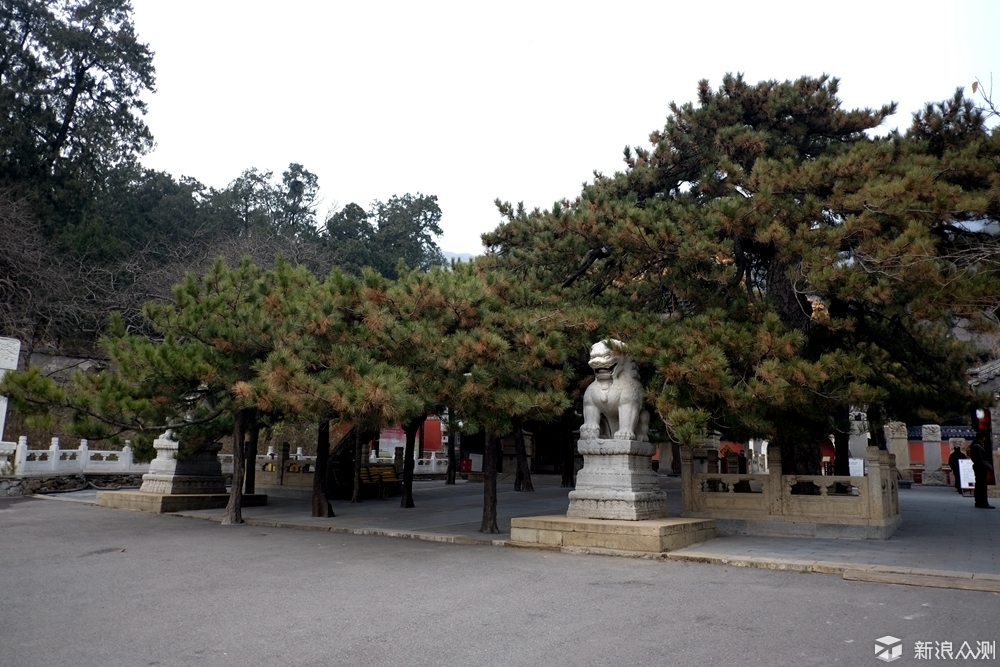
<point>473,101</point>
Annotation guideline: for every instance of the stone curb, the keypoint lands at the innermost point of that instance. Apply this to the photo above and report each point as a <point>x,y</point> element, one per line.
<point>789,564</point>
<point>621,553</point>
<point>966,582</point>
<point>883,574</point>
<point>377,532</point>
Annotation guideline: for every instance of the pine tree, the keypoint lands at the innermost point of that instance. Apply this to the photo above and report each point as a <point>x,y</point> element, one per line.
<point>188,374</point>
<point>777,264</point>
<point>509,362</point>
<point>329,365</point>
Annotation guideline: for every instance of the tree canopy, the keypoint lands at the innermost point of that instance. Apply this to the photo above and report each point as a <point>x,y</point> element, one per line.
<point>402,228</point>
<point>72,73</point>
<point>784,264</point>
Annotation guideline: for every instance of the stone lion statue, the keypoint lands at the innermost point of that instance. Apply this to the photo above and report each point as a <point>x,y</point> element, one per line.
<point>612,404</point>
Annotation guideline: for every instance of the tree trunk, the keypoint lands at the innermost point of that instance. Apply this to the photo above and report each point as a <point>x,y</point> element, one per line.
<point>566,445</point>
<point>793,307</point>
<point>522,480</point>
<point>452,461</point>
<point>321,507</point>
<point>841,453</point>
<point>489,524</point>
<point>411,430</point>
<point>800,455</point>
<point>875,421</point>
<point>234,509</point>
<point>28,345</point>
<point>251,458</point>
<point>842,458</point>
<point>359,445</point>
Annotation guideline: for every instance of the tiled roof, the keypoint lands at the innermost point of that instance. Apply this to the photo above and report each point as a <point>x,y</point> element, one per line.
<point>957,432</point>
<point>916,433</point>
<point>983,374</point>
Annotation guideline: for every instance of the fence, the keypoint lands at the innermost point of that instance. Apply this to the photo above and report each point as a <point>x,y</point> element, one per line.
<point>17,459</point>
<point>299,467</point>
<point>818,505</point>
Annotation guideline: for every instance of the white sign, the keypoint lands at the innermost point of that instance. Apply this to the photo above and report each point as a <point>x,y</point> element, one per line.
<point>10,348</point>
<point>967,478</point>
<point>857,467</point>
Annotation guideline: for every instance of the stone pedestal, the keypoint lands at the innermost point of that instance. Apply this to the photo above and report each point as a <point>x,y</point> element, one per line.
<point>160,503</point>
<point>199,473</point>
<point>617,482</point>
<point>933,476</point>
<point>899,445</point>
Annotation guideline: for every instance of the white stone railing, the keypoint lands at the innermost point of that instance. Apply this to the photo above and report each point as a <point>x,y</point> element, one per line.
<point>431,465</point>
<point>17,459</point>
<point>435,464</point>
<point>297,462</point>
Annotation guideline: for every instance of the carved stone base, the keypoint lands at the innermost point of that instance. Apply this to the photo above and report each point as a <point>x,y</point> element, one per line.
<point>197,473</point>
<point>617,482</point>
<point>183,484</point>
<point>629,507</point>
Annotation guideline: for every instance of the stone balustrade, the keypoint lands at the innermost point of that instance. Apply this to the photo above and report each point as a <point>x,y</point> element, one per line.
<point>435,464</point>
<point>430,465</point>
<point>18,459</point>
<point>816,505</point>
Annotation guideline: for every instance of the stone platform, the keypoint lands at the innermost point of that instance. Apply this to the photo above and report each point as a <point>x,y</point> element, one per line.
<point>161,503</point>
<point>614,537</point>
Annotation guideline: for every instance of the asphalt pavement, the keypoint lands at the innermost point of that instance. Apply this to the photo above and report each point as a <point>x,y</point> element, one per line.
<point>944,541</point>
<point>88,586</point>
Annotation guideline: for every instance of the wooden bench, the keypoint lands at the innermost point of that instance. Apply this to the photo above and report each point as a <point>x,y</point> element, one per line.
<point>381,479</point>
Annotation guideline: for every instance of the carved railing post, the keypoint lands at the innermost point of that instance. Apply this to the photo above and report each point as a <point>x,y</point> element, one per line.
<point>775,486</point>
<point>687,479</point>
<point>21,455</point>
<point>899,445</point>
<point>893,475</point>
<point>931,434</point>
<point>875,482</point>
<point>713,461</point>
<point>54,454</point>
<point>83,455</point>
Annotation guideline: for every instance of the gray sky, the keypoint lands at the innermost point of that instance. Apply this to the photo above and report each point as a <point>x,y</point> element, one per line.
<point>471,101</point>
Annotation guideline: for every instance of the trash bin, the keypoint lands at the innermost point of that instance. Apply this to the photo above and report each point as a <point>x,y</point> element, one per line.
<point>465,465</point>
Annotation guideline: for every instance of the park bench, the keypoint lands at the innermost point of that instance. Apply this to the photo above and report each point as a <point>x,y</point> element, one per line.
<point>383,480</point>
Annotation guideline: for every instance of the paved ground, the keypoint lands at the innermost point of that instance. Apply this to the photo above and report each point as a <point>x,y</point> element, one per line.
<point>942,533</point>
<point>88,586</point>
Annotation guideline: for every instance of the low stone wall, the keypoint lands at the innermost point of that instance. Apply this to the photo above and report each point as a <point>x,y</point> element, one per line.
<point>11,486</point>
<point>775,504</point>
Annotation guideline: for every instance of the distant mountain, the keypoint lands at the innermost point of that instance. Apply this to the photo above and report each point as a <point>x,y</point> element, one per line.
<point>460,256</point>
